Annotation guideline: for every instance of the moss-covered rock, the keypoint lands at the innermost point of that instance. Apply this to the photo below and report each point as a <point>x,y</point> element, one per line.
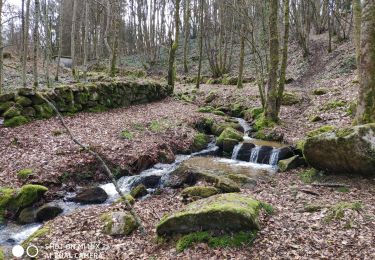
<point>24,173</point>
<point>128,197</point>
<point>218,128</point>
<point>200,142</point>
<point>252,113</point>
<point>228,145</point>
<point>320,91</point>
<point>28,195</point>
<point>315,118</point>
<point>321,130</point>
<point>6,97</point>
<point>350,150</point>
<point>237,110</point>
<point>6,105</point>
<point>229,133</point>
<point>224,212</point>
<point>48,212</point>
<point>12,112</point>
<point>291,163</point>
<point>23,101</point>
<point>16,121</point>
<point>28,112</point>
<point>197,192</point>
<point>139,191</point>
<point>242,180</point>
<point>43,111</point>
<point>6,196</point>
<point>290,99</point>
<point>118,223</point>
<point>27,216</point>
<point>333,104</point>
<point>212,95</point>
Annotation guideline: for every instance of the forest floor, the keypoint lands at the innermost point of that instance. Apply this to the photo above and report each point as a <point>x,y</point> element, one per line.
<point>291,233</point>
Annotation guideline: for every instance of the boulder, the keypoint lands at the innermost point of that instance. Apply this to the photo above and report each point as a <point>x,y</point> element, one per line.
<point>12,112</point>
<point>23,101</point>
<point>139,191</point>
<point>47,212</point>
<point>242,180</point>
<point>15,121</point>
<point>198,192</point>
<point>228,146</point>
<point>94,195</point>
<point>229,133</point>
<point>291,163</point>
<point>28,195</point>
<point>4,106</point>
<point>264,154</point>
<point>245,151</point>
<point>224,212</point>
<point>286,152</point>
<point>350,150</point>
<point>27,216</point>
<point>6,97</point>
<point>119,223</point>
<point>200,142</point>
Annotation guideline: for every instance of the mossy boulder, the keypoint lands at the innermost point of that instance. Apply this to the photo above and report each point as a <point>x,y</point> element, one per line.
<point>43,111</point>
<point>228,145</point>
<point>118,223</point>
<point>290,99</point>
<point>28,112</point>
<point>349,150</point>
<point>224,212</point>
<point>128,197</point>
<point>212,95</point>
<point>320,91</point>
<point>6,97</point>
<point>200,142</point>
<point>315,118</point>
<point>252,113</point>
<point>139,191</point>
<point>24,173</point>
<point>229,133</point>
<point>242,180</point>
<point>6,105</point>
<point>95,195</point>
<point>16,121</point>
<point>23,101</point>
<point>27,216</point>
<point>218,128</point>
<point>28,195</point>
<point>39,234</point>
<point>224,184</point>
<point>48,212</point>
<point>320,130</point>
<point>12,112</point>
<point>291,163</point>
<point>197,192</point>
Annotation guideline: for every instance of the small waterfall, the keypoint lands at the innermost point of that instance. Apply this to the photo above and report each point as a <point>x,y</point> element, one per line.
<point>246,128</point>
<point>274,158</point>
<point>254,154</point>
<point>236,149</point>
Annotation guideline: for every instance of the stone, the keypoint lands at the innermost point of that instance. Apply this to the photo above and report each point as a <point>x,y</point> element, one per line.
<point>290,99</point>
<point>319,91</point>
<point>15,121</point>
<point>348,150</point>
<point>210,97</point>
<point>197,192</point>
<point>245,151</point>
<point>291,163</point>
<point>6,105</point>
<point>27,216</point>
<point>6,97</point>
<point>218,128</point>
<point>229,133</point>
<point>229,212</point>
<point>139,191</point>
<point>12,112</point>
<point>228,145</point>
<point>242,180</point>
<point>28,112</point>
<point>43,111</point>
<point>264,154</point>
<point>119,223</point>
<point>23,101</point>
<point>94,195</point>
<point>48,212</point>
<point>200,142</point>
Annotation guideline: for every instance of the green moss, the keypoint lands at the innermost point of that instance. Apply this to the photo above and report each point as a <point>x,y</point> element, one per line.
<point>337,211</point>
<point>343,189</point>
<point>262,123</point>
<point>139,191</point>
<point>256,112</point>
<point>23,101</point>
<point>333,105</point>
<point>224,241</point>
<point>126,134</point>
<point>28,195</point>
<point>343,132</point>
<point>2,257</point>
<point>24,173</point>
<point>237,110</point>
<point>6,196</point>
<point>315,118</point>
<point>15,121</point>
<point>267,208</point>
<point>218,113</point>
<point>200,191</point>
<point>43,111</point>
<point>309,176</point>
<point>229,133</point>
<point>290,99</point>
<point>312,208</point>
<point>12,112</point>
<point>37,234</point>
<point>200,142</point>
<point>6,105</point>
<point>128,197</point>
<point>158,126</point>
<point>206,109</point>
<point>320,91</point>
<point>186,98</point>
<point>352,109</point>
<point>97,109</point>
<point>300,144</point>
<point>321,130</point>
<point>240,179</point>
<point>211,96</point>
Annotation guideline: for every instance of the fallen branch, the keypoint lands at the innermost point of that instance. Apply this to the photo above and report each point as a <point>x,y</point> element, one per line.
<point>309,192</point>
<point>330,185</point>
<point>100,159</point>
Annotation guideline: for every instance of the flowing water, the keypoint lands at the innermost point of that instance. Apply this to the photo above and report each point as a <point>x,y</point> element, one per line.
<point>254,154</point>
<point>274,158</point>
<point>236,149</point>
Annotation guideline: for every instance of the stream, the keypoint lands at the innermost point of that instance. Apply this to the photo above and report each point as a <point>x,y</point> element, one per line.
<point>13,234</point>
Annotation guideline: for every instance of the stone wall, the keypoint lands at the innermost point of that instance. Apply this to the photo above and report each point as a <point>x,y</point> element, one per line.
<point>26,105</point>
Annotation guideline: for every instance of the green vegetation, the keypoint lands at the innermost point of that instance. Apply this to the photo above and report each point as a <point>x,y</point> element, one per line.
<point>158,126</point>
<point>309,176</point>
<point>126,134</point>
<point>200,142</point>
<point>28,195</point>
<point>229,133</point>
<point>312,208</point>
<point>321,130</point>
<point>15,121</point>
<point>352,109</point>
<point>330,105</point>
<point>224,241</point>
<point>128,197</point>
<point>262,123</point>
<point>2,257</point>
<point>206,109</point>
<point>290,99</point>
<point>315,118</point>
<point>337,211</point>
<point>139,191</point>
<point>97,109</point>
<point>268,208</point>
<point>343,132</point>
<point>343,189</point>
<point>320,91</point>
<point>37,234</point>
<point>200,191</point>
<point>24,174</point>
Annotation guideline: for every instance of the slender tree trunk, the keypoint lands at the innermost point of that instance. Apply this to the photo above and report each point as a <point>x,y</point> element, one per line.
<point>242,57</point>
<point>26,42</point>
<point>200,43</point>
<point>72,38</point>
<point>1,48</point>
<point>329,28</point>
<point>86,39</point>
<point>106,34</point>
<point>36,43</point>
<point>366,100</point>
<point>61,8</point>
<point>284,61</point>
<point>48,46</point>
<point>357,10</point>
<point>187,33</point>
<point>115,24</point>
<point>174,46</point>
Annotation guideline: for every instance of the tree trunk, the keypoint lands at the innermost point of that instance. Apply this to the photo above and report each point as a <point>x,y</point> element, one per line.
<point>85,41</point>
<point>60,40</point>
<point>271,107</point>
<point>25,42</point>
<point>72,37</point>
<point>242,57</point>
<point>200,43</point>
<point>36,44</point>
<point>284,61</point>
<point>174,46</point>
<point>1,48</point>
<point>187,33</point>
<point>357,10</point>
<point>366,100</point>
<point>48,45</point>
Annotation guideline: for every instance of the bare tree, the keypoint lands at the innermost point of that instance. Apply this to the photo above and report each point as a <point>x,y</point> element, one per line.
<point>200,43</point>
<point>61,8</point>
<point>25,37</point>
<point>72,38</point>
<point>174,45</point>
<point>36,43</point>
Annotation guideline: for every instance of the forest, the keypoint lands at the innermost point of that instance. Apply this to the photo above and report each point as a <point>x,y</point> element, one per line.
<point>187,129</point>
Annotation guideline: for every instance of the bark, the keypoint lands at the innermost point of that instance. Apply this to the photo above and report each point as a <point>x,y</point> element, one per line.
<point>36,43</point>
<point>25,42</point>
<point>366,100</point>
<point>72,37</point>
<point>86,39</point>
<point>271,107</point>
<point>1,48</point>
<point>174,45</point>
<point>60,40</point>
<point>242,57</point>
<point>200,43</point>
<point>187,33</point>
<point>357,10</point>
<point>48,46</point>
